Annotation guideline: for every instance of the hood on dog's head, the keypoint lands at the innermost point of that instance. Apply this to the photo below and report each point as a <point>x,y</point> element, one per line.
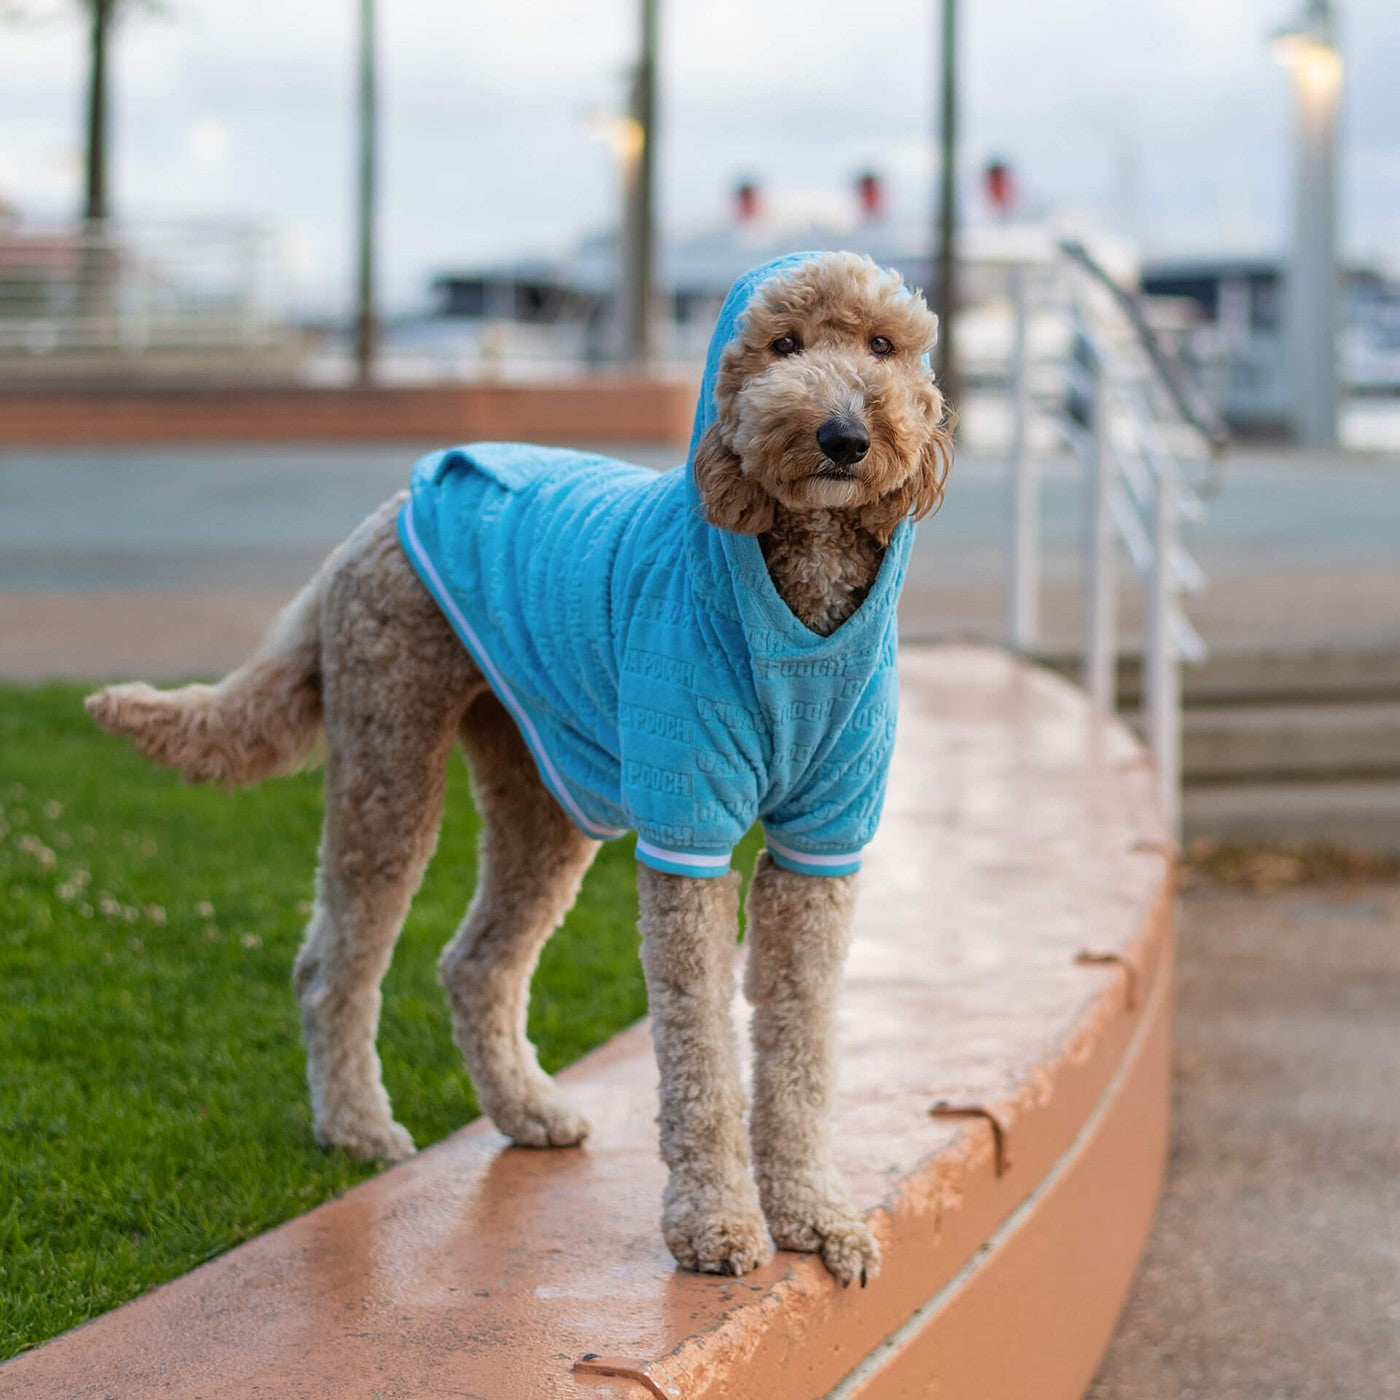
<point>729,324</point>
<point>727,327</point>
<point>818,394</point>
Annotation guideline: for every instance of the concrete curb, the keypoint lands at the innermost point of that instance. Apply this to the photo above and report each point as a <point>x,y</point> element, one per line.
<point>1020,834</point>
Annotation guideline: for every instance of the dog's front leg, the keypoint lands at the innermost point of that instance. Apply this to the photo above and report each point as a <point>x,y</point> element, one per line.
<point>798,931</point>
<point>710,1216</point>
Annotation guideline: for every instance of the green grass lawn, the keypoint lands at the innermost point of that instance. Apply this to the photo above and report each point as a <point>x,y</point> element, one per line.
<point>153,1109</point>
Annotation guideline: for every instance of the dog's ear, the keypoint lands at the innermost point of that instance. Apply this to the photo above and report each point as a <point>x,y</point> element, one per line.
<point>732,501</point>
<point>921,492</point>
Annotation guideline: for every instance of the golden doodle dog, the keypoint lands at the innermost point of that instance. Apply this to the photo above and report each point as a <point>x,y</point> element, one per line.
<point>617,650</point>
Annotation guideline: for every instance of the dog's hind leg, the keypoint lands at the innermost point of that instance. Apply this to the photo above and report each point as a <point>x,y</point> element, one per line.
<point>395,684</point>
<point>799,926</point>
<point>532,860</point>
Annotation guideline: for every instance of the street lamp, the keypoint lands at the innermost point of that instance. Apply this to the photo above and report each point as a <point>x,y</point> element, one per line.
<point>626,138</point>
<point>1308,49</point>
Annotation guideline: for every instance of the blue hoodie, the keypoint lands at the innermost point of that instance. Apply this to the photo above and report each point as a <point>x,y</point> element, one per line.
<point>660,681</point>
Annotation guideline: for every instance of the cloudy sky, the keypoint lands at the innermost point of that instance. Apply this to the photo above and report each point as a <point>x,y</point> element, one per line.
<point>1163,119</point>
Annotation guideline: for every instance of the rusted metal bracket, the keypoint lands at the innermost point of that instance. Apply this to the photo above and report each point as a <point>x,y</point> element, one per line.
<point>629,1368</point>
<point>1131,978</point>
<point>944,1108</point>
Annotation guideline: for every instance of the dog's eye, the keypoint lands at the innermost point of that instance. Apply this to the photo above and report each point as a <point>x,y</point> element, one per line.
<point>881,345</point>
<point>786,345</point>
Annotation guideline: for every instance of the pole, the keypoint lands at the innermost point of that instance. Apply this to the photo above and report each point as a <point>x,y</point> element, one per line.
<point>97,268</point>
<point>1100,576</point>
<point>366,321</point>
<point>95,207</point>
<point>1317,76</point>
<point>1162,681</point>
<point>947,361</point>
<point>1023,593</point>
<point>639,273</point>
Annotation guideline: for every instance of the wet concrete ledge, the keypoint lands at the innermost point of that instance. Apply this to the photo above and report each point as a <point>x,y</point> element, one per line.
<point>615,409</point>
<point>1020,835</point>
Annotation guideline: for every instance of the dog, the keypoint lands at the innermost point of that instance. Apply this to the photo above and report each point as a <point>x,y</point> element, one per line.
<point>729,656</point>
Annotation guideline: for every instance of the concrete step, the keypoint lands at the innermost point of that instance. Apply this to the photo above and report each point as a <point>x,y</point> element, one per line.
<point>1301,675</point>
<point>1337,741</point>
<point>1362,816</point>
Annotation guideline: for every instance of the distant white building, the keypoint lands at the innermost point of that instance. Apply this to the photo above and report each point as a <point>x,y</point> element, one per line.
<point>696,270</point>
<point>1224,314</point>
<point>1236,328</point>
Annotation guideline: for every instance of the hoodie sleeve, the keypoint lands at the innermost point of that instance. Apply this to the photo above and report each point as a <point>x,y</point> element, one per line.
<point>689,810</point>
<point>689,740</point>
<point>690,805</point>
<point>821,827</point>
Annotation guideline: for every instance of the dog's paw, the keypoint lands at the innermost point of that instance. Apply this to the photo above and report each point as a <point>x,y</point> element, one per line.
<point>835,1232</point>
<point>710,1233</point>
<point>721,1244</point>
<point>385,1142</point>
<point>542,1123</point>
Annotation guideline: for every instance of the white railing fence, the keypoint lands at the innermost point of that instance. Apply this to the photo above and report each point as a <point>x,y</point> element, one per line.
<point>1148,446</point>
<point>126,288</point>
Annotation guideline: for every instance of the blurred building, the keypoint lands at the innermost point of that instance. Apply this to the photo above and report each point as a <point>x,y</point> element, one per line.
<point>1233,327</point>
<point>1223,314</point>
<point>574,293</point>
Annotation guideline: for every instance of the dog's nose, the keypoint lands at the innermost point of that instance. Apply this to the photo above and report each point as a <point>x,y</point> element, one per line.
<point>843,440</point>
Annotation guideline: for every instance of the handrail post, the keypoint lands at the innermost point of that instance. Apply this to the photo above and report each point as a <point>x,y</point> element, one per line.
<point>1023,590</point>
<point>1162,679</point>
<point>1101,591</point>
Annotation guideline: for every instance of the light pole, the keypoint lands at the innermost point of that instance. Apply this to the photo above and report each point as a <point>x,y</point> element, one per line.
<point>95,202</point>
<point>1308,49</point>
<point>366,320</point>
<point>946,358</point>
<point>639,240</point>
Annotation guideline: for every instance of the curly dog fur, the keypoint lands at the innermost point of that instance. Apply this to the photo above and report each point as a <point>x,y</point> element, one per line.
<point>364,654</point>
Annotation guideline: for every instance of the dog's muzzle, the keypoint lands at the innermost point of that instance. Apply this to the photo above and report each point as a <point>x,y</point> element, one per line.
<point>843,441</point>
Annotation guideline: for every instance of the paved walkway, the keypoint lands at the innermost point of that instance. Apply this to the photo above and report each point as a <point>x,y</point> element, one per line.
<point>1273,1270</point>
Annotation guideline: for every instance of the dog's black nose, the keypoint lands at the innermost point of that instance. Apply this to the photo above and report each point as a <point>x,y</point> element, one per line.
<point>843,440</point>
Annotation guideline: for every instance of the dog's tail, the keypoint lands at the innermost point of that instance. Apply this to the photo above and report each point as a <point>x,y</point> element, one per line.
<point>260,720</point>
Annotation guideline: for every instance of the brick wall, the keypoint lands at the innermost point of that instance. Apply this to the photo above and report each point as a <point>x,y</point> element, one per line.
<point>604,410</point>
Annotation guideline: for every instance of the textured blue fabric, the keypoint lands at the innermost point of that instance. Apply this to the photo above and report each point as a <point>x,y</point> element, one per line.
<point>659,679</point>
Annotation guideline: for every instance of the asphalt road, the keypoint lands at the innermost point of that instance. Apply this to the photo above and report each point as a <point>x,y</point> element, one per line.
<point>165,562</point>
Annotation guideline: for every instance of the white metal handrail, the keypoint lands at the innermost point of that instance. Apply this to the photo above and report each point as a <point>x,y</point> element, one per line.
<point>127,288</point>
<point>1135,427</point>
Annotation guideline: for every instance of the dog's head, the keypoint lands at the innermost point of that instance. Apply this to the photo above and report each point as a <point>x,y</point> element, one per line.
<point>824,401</point>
